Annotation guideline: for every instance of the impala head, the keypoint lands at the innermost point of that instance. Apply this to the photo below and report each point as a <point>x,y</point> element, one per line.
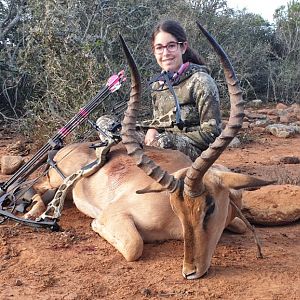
<point>205,215</point>
<point>199,195</point>
<point>203,220</point>
<point>202,217</point>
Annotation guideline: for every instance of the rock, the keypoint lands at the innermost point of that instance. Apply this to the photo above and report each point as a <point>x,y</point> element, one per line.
<point>270,112</point>
<point>18,148</point>
<point>287,117</point>
<point>296,127</point>
<point>274,118</point>
<point>290,160</point>
<point>235,143</point>
<point>284,119</point>
<point>296,110</point>
<point>256,103</point>
<point>258,129</point>
<point>246,125</point>
<point>18,282</point>
<point>146,292</point>
<point>285,159</point>
<point>251,115</point>
<point>281,106</point>
<point>9,164</point>
<point>272,205</point>
<point>260,123</point>
<point>283,131</point>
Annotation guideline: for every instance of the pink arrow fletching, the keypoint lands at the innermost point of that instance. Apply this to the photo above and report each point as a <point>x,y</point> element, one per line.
<point>114,82</point>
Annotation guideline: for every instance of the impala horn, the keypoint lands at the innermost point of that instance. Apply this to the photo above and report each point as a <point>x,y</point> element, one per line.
<point>197,170</point>
<point>128,133</point>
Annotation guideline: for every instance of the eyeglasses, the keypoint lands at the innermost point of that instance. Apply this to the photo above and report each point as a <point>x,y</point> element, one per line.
<point>171,47</point>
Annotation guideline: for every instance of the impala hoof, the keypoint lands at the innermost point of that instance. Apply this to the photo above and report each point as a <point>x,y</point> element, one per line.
<point>193,275</point>
<point>37,209</point>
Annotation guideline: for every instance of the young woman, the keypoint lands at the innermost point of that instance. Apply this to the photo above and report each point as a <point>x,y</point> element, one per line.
<point>196,93</point>
<point>194,88</point>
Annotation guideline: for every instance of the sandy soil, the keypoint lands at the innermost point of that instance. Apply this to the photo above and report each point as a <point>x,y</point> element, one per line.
<point>76,263</point>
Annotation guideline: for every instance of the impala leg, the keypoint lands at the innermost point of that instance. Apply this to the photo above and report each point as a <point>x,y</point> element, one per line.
<point>42,189</point>
<point>120,231</point>
<point>236,225</point>
<point>37,209</point>
<point>40,201</point>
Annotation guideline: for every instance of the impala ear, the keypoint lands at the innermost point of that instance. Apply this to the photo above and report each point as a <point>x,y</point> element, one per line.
<point>155,187</point>
<point>240,181</point>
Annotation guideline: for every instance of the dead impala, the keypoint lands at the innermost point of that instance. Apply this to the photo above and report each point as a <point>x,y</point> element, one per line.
<point>189,201</point>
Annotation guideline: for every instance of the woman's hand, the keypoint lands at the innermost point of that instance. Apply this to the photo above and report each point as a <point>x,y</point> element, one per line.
<point>151,136</point>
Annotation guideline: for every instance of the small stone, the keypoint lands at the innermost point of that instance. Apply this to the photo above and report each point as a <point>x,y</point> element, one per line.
<point>281,106</point>
<point>290,160</point>
<point>18,148</point>
<point>281,130</point>
<point>246,125</point>
<point>146,292</point>
<point>261,123</point>
<point>235,143</point>
<point>256,103</point>
<point>9,164</point>
<point>18,282</point>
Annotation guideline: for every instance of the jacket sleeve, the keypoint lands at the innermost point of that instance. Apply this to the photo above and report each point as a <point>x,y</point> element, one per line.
<point>206,96</point>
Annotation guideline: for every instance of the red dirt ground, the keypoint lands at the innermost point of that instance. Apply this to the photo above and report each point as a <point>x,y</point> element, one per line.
<point>76,263</point>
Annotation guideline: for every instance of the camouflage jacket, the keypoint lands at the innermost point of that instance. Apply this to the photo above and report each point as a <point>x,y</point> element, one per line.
<point>199,103</point>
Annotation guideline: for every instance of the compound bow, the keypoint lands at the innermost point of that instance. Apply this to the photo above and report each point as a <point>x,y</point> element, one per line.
<point>14,194</point>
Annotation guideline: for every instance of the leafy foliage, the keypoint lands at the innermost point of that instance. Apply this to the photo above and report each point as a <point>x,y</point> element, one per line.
<point>283,68</point>
<point>56,54</point>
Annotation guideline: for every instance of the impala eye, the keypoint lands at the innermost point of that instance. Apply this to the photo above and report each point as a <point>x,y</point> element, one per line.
<point>210,207</point>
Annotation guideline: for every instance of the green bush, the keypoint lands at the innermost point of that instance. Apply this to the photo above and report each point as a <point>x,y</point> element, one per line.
<point>55,56</point>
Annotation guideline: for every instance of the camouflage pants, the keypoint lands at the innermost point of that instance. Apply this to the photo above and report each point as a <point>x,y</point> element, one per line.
<point>170,140</point>
<point>166,139</point>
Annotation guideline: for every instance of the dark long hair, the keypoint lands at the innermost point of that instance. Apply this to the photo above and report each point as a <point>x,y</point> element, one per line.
<point>174,28</point>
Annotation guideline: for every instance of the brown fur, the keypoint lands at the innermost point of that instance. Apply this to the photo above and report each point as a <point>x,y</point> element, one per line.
<point>127,219</point>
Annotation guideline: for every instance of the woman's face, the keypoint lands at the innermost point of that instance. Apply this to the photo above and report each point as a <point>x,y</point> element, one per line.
<point>169,59</point>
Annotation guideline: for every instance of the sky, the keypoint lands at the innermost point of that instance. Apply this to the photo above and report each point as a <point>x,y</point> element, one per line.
<point>265,8</point>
